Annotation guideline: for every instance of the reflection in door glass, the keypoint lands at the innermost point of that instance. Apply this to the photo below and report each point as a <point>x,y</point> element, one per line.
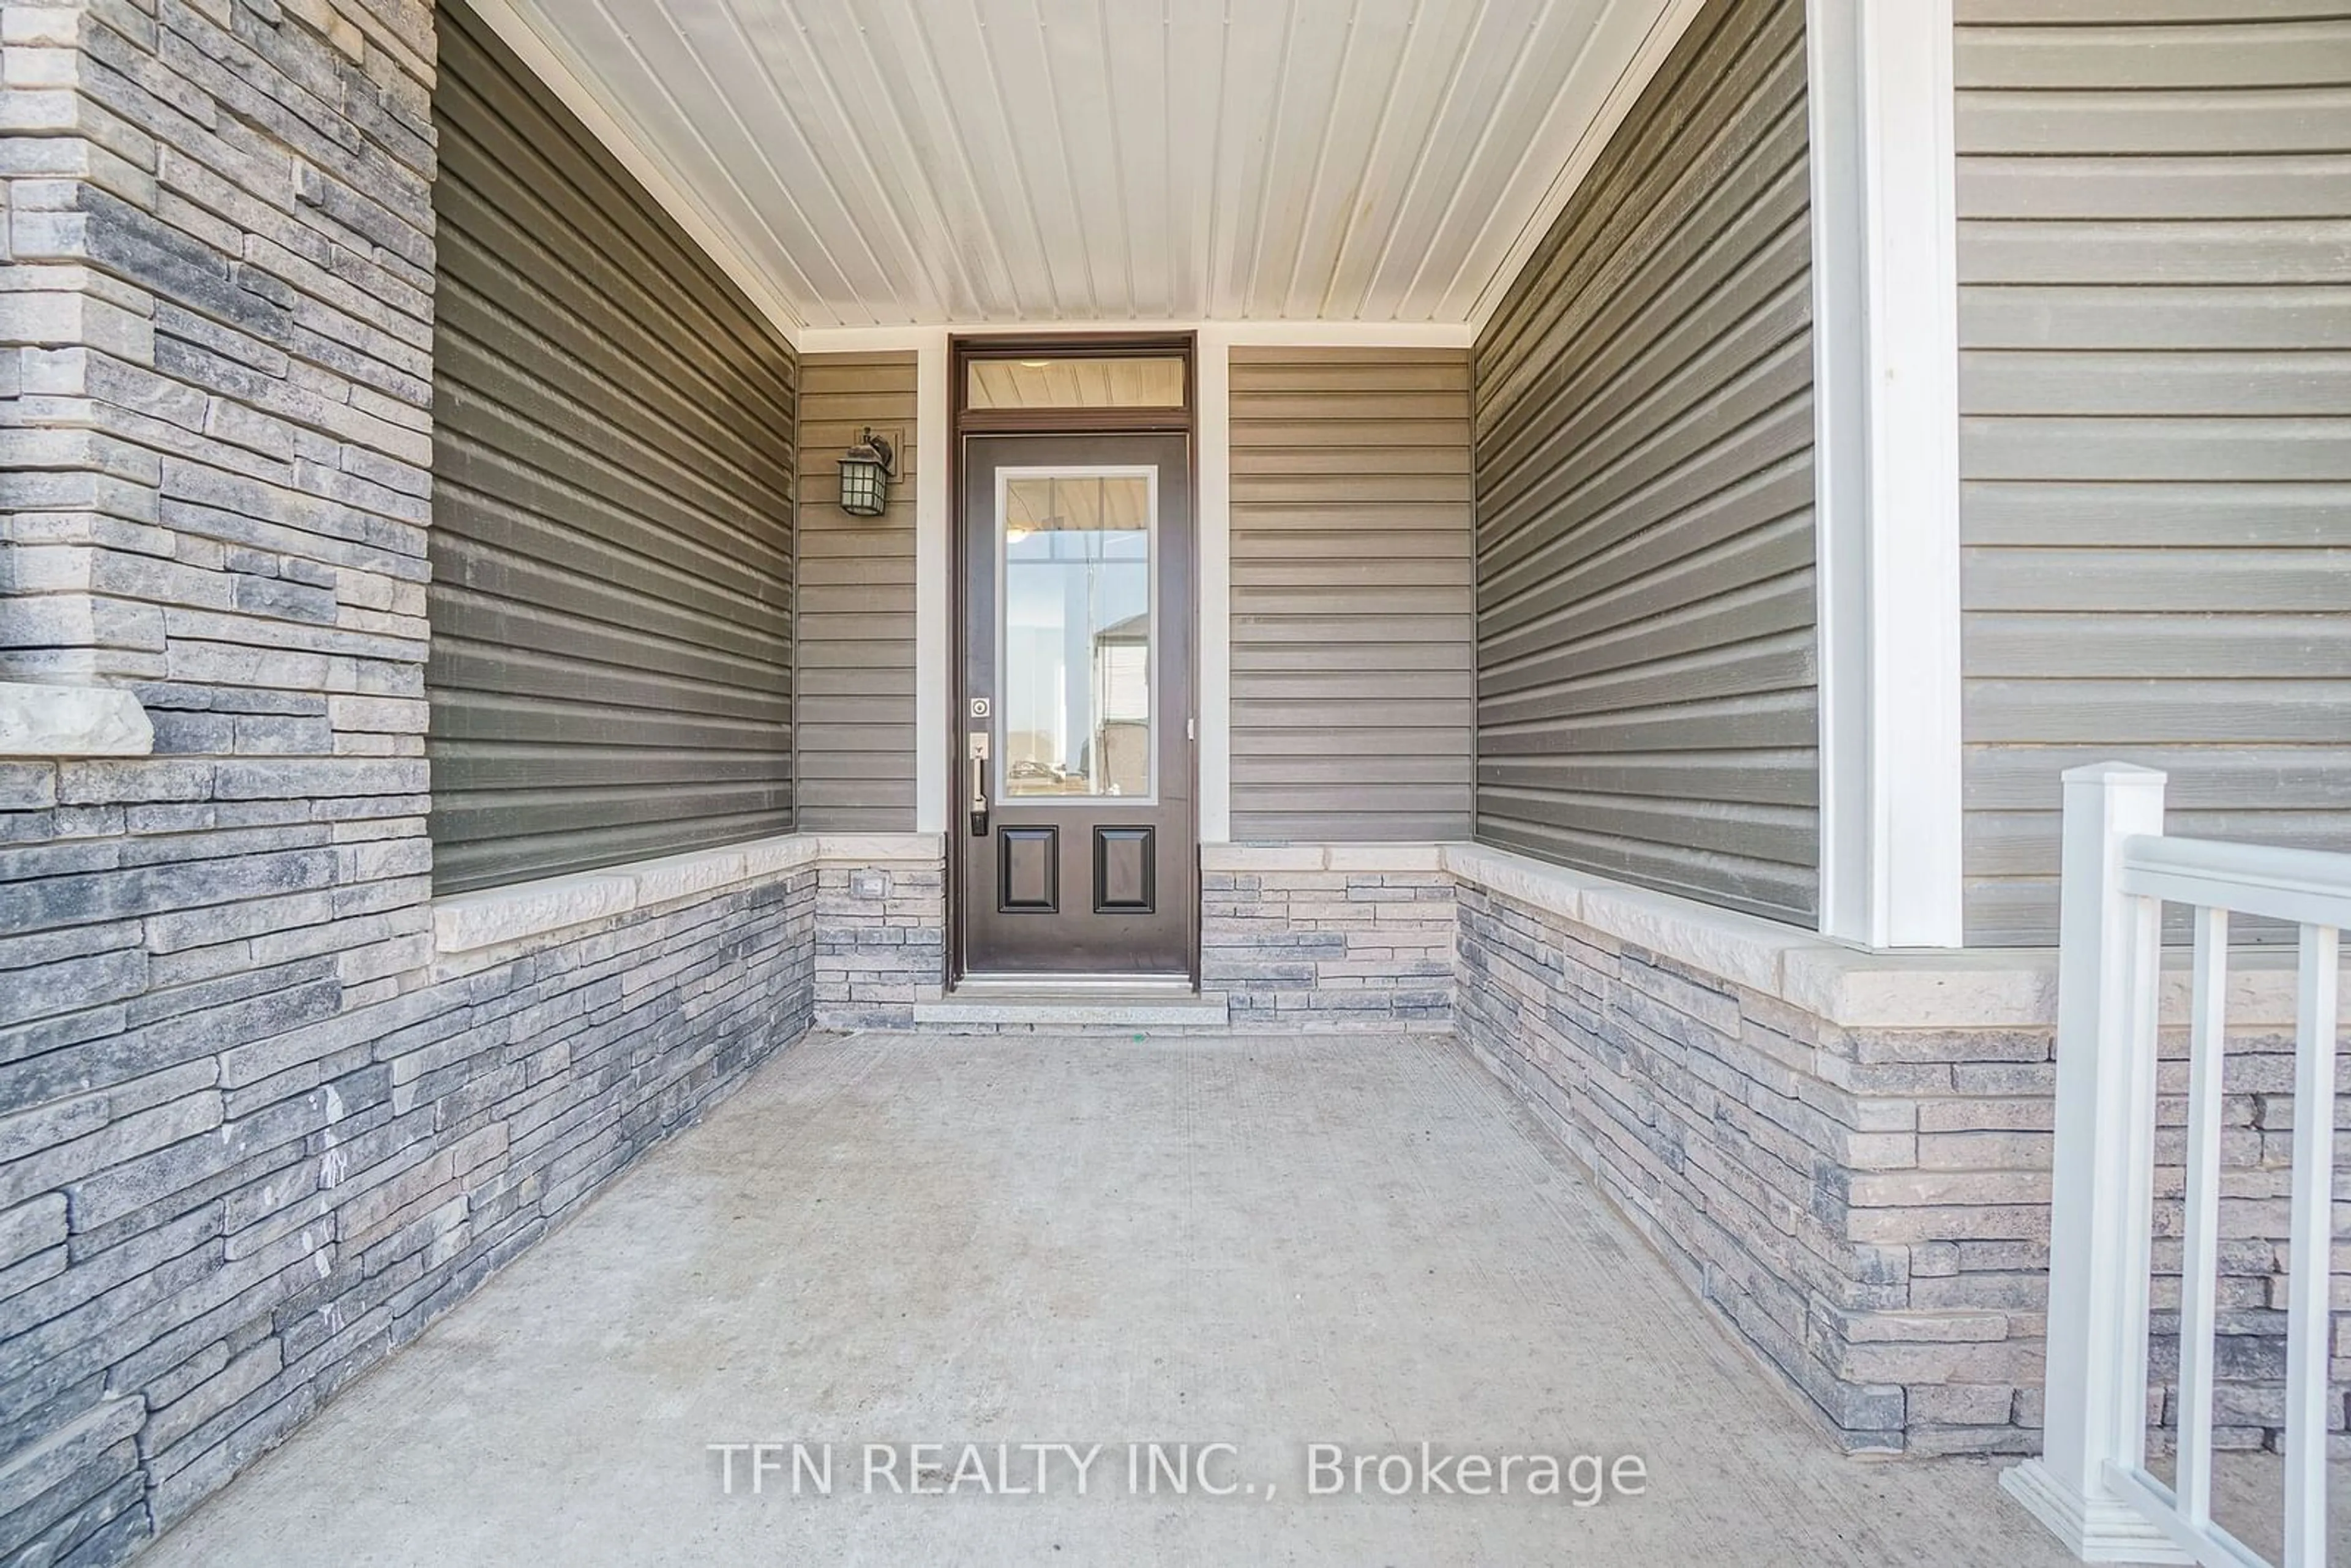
<point>1076,694</point>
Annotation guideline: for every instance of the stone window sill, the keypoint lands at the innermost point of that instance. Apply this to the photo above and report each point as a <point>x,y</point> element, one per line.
<point>42,721</point>
<point>556,908</point>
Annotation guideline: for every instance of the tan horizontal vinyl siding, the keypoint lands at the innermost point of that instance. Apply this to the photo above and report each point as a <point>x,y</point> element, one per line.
<point>1351,593</point>
<point>1643,432</point>
<point>856,622</point>
<point>610,666</point>
<point>2155,202</point>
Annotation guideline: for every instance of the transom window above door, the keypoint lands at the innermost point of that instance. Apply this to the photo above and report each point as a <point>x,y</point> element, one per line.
<point>1074,382</point>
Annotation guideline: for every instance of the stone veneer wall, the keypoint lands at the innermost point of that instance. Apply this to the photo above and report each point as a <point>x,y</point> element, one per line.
<point>256,1128</point>
<point>881,928</point>
<point>214,1216</point>
<point>216,1220</point>
<point>1847,1156</point>
<point>1328,936</point>
<point>220,1054</point>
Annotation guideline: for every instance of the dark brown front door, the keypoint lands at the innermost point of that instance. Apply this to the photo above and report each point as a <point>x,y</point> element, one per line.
<point>1076,825</point>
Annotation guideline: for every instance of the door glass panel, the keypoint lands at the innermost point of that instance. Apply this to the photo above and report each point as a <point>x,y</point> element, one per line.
<point>1121,380</point>
<point>1074,699</point>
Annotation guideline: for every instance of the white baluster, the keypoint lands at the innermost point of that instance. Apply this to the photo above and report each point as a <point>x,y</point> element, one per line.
<point>2200,1255</point>
<point>2310,1248</point>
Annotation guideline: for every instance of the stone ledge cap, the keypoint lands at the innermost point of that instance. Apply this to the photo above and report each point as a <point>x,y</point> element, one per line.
<point>878,849</point>
<point>556,907</point>
<point>1844,985</point>
<point>1404,856</point>
<point>1981,987</point>
<point>494,917</point>
<point>1854,988</point>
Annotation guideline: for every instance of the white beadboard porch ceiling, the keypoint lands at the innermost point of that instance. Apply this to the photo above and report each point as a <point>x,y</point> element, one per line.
<point>884,163</point>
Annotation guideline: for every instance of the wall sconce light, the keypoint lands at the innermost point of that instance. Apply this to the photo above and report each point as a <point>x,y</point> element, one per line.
<point>866,470</point>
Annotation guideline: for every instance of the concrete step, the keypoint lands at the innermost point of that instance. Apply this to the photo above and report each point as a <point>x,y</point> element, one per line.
<point>1074,1008</point>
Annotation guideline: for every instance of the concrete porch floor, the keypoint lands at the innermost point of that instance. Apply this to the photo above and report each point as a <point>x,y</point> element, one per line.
<point>1267,1242</point>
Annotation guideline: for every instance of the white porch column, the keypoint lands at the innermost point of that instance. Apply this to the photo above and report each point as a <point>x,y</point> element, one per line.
<point>933,415</point>
<point>1212,390</point>
<point>1885,389</point>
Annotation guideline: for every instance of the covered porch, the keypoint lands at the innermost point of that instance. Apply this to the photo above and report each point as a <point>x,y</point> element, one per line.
<point>730,723</point>
<point>1265,1242</point>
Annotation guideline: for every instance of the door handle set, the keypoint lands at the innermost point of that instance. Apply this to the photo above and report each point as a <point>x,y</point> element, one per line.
<point>979,783</point>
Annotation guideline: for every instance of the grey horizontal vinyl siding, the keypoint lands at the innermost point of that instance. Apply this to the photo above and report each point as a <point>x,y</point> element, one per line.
<point>611,666</point>
<point>856,621</point>
<point>1647,679</point>
<point>1351,594</point>
<point>2154,259</point>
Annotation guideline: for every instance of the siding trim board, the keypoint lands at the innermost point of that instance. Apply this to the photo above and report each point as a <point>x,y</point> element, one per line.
<point>2156,441</point>
<point>613,660</point>
<point>1645,664</point>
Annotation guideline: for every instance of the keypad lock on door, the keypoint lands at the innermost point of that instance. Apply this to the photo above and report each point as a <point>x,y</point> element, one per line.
<point>979,783</point>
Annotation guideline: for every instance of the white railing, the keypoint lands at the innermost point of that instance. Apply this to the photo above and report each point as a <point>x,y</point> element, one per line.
<point>2091,1484</point>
